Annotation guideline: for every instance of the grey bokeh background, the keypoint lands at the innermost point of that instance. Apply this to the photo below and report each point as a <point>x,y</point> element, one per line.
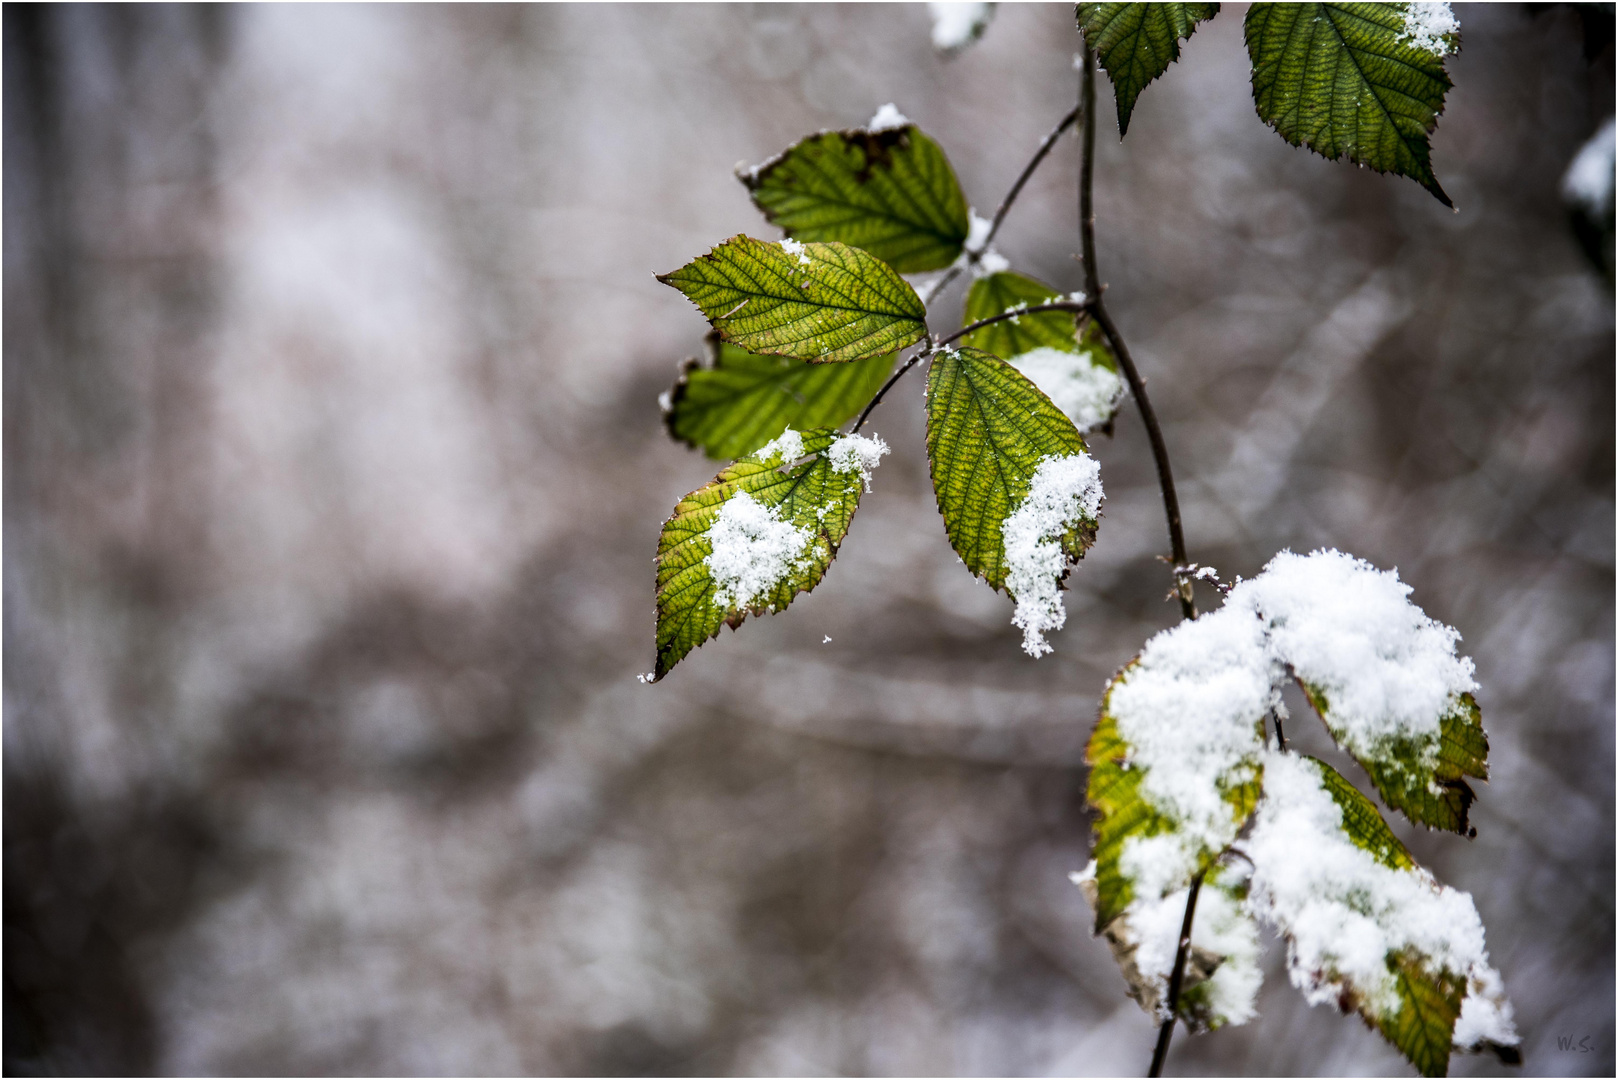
<point>333,473</point>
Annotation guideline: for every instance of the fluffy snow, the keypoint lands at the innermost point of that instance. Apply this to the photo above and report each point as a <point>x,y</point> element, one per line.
<point>887,118</point>
<point>1085,391</point>
<point>1191,710</point>
<point>1224,927</point>
<point>856,453</point>
<point>788,446</point>
<point>665,401</point>
<point>753,550</point>
<point>1344,913</point>
<point>977,232</point>
<point>1065,490</point>
<point>1388,670</point>
<point>1430,27</point>
<point>793,247</point>
<point>956,26</point>
<point>1149,930</point>
<point>1485,1013</point>
<point>1588,180</point>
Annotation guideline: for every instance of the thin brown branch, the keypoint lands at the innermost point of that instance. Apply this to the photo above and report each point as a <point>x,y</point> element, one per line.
<point>972,257</point>
<point>1161,1050</point>
<point>1165,478</point>
<point>1078,307</point>
<point>1098,309</point>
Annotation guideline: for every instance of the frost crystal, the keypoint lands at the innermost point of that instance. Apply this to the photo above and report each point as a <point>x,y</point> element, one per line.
<point>1588,180</point>
<point>753,551</point>
<point>1345,913</point>
<point>793,247</point>
<point>956,26</point>
<point>1430,27</point>
<point>788,446</point>
<point>1065,491</point>
<point>1087,392</point>
<point>1387,670</point>
<point>856,453</point>
<point>887,118</point>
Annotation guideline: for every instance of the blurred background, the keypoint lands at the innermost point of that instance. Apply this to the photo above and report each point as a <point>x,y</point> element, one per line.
<point>334,471</point>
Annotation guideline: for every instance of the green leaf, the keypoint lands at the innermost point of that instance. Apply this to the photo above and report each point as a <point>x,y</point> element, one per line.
<point>890,192</point>
<point>825,303</point>
<point>1379,936</point>
<point>1083,382</point>
<point>745,400</point>
<point>988,431</point>
<point>994,293</point>
<point>1422,777</point>
<point>1137,42</point>
<point>780,521</point>
<point>1349,80</point>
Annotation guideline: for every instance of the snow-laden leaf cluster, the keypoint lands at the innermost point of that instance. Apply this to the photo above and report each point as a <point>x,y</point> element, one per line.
<point>1180,767</point>
<point>808,328</point>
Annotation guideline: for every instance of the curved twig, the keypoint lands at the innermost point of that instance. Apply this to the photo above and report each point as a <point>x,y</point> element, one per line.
<point>972,257</point>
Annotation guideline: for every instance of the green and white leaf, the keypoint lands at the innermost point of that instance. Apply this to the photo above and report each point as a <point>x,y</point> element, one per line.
<point>1421,776</point>
<point>1366,928</point>
<point>1175,771</point>
<point>1070,362</point>
<point>764,530</point>
<point>1137,42</point>
<point>1361,81</point>
<point>825,303</point>
<point>1222,974</point>
<point>891,192</point>
<point>744,400</point>
<point>1176,757</point>
<point>1384,677</point>
<point>1018,490</point>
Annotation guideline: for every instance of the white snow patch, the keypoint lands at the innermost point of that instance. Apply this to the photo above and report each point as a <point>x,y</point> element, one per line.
<point>1589,179</point>
<point>1343,911</point>
<point>788,446</point>
<point>793,247</point>
<point>887,118</point>
<point>1190,710</point>
<point>990,262</point>
<point>753,550</point>
<point>1430,27</point>
<point>1086,392</point>
<point>647,677</point>
<point>665,401</point>
<point>1388,670</point>
<point>1485,1012</point>
<point>956,26</point>
<point>1223,927</point>
<point>856,453</point>
<point>977,232</point>
<point>1065,490</point>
